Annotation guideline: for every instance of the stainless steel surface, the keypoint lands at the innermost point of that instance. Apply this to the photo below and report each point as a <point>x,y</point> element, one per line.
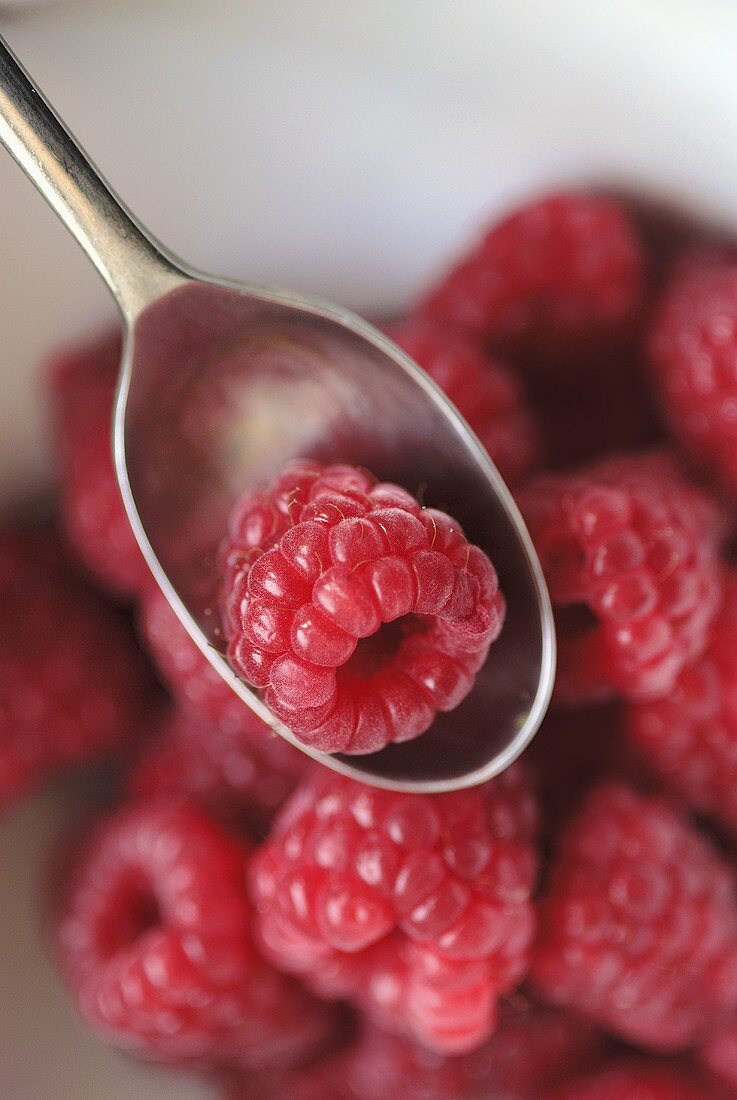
<point>320,382</point>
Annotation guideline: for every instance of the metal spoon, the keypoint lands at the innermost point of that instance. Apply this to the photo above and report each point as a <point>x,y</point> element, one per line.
<point>192,432</point>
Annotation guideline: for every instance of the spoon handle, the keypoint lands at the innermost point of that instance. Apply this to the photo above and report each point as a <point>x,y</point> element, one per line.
<point>135,267</point>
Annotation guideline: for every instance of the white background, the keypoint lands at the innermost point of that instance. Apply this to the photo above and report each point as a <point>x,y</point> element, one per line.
<point>332,146</point>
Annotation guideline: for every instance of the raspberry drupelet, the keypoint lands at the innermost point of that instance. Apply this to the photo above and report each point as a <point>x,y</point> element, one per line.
<point>239,776</point>
<point>356,612</point>
<point>416,907</point>
<point>638,1081</point>
<point>693,346</point>
<point>689,738</point>
<point>639,926</point>
<point>154,942</point>
<point>630,551</point>
<point>82,385</point>
<point>560,276</point>
<point>73,684</point>
<point>484,391</point>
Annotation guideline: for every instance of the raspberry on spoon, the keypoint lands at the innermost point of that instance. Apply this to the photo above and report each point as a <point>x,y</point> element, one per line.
<point>356,612</point>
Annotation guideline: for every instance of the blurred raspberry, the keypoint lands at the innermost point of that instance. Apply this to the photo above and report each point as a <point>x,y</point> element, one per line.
<point>154,943</point>
<point>239,776</point>
<point>483,390</point>
<point>689,738</point>
<point>639,929</point>
<point>551,283</point>
<point>358,613</point>
<point>82,389</point>
<point>639,1081</point>
<point>417,907</point>
<point>693,350</point>
<point>73,684</point>
<point>630,552</point>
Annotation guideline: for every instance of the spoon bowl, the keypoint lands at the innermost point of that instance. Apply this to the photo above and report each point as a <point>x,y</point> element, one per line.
<point>222,383</point>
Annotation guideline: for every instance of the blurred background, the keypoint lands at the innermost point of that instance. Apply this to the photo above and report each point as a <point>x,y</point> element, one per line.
<point>332,146</point>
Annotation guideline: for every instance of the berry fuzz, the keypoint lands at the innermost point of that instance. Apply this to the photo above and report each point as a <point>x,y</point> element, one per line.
<point>356,612</point>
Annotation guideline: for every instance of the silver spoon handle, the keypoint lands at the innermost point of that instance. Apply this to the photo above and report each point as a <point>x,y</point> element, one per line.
<point>134,266</point>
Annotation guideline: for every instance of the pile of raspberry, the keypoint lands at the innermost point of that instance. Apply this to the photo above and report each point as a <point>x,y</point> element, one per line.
<point>568,930</point>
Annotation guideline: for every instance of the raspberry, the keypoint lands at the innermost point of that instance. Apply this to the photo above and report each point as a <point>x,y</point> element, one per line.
<point>359,614</point>
<point>560,276</point>
<point>239,777</point>
<point>630,554</point>
<point>634,1082</point>
<point>72,681</point>
<point>689,738</point>
<point>531,1049</point>
<point>188,674</point>
<point>154,942</point>
<point>417,907</point>
<point>82,391</point>
<point>639,929</point>
<point>482,389</point>
<point>693,345</point>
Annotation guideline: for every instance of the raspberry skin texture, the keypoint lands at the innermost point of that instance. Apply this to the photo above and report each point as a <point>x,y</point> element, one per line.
<point>484,391</point>
<point>194,683</point>
<point>639,927</point>
<point>560,277</point>
<point>689,738</point>
<point>81,388</point>
<point>73,683</point>
<point>357,613</point>
<point>630,551</point>
<point>692,348</point>
<point>240,777</point>
<point>634,1082</point>
<point>417,908</point>
<point>154,942</point>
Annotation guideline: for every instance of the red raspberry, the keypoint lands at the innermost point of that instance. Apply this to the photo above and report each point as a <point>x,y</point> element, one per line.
<point>73,683</point>
<point>416,907</point>
<point>689,738</point>
<point>693,346</point>
<point>154,942</point>
<point>560,276</point>
<point>630,554</point>
<point>639,930</point>
<point>188,674</point>
<point>483,390</point>
<point>82,390</point>
<point>531,1049</point>
<point>358,613</point>
<point>238,776</point>
<point>634,1082</point>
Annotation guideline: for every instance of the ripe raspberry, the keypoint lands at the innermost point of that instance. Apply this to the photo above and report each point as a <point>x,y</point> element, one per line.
<point>359,614</point>
<point>73,683</point>
<point>634,1082</point>
<point>238,776</point>
<point>188,674</point>
<point>559,277</point>
<point>630,554</point>
<point>82,389</point>
<point>416,907</point>
<point>154,942</point>
<point>531,1049</point>
<point>482,389</point>
<point>639,930</point>
<point>689,738</point>
<point>693,345</point>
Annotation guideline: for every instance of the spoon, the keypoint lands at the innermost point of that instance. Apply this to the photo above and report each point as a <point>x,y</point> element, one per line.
<point>193,430</point>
